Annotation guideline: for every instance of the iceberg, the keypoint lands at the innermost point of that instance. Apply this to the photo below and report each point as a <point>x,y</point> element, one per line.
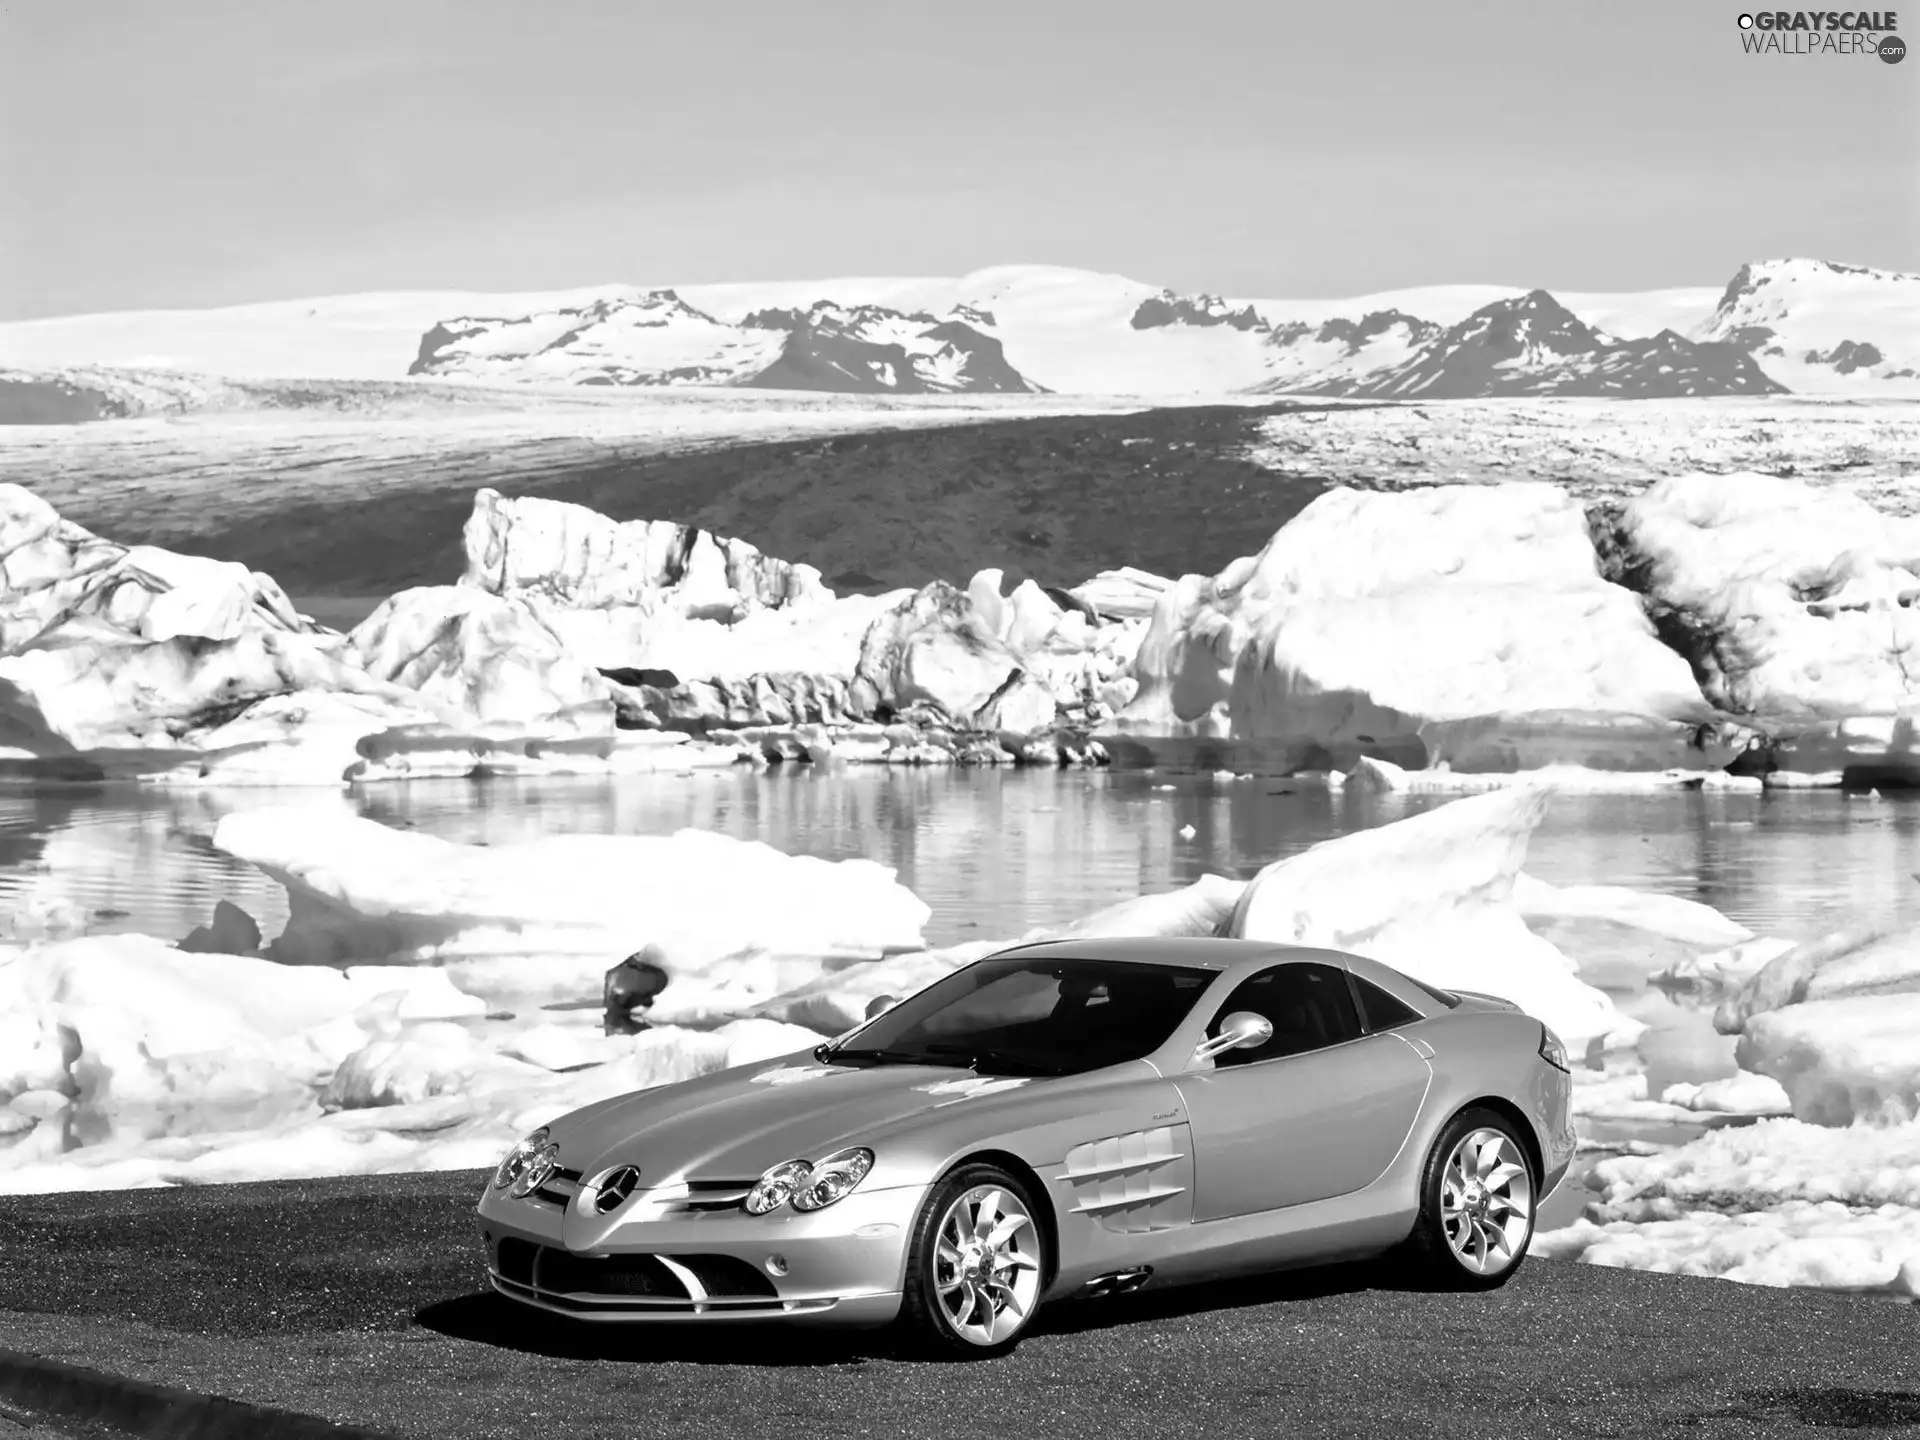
<point>484,656</point>
<point>1794,603</point>
<point>1464,626</point>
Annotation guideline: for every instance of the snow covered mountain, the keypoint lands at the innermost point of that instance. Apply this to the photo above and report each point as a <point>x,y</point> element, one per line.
<point>1821,327</point>
<point>1805,325</point>
<point>1536,346</point>
<point>657,338</point>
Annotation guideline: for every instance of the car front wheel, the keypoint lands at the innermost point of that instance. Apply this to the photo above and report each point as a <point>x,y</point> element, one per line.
<point>1476,1203</point>
<point>976,1264</point>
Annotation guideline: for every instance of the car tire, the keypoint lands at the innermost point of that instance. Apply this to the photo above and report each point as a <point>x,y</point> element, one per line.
<point>971,1290</point>
<point>1478,1204</point>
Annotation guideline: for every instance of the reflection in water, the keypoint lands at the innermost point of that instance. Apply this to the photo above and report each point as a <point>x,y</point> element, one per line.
<point>994,852</point>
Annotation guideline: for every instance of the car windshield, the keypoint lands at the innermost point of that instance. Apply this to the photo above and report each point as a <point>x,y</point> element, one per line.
<point>1031,1017</point>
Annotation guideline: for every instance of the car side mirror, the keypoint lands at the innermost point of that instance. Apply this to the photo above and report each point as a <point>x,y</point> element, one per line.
<point>880,1004</point>
<point>1242,1030</point>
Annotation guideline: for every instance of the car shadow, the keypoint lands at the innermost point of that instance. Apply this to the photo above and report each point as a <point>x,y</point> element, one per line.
<point>1283,1287</point>
<point>486,1318</point>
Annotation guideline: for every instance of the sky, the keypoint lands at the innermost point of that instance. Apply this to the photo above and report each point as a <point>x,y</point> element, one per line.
<point>206,152</point>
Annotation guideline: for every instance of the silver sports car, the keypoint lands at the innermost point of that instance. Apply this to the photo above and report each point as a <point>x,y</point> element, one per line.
<point>1068,1118</point>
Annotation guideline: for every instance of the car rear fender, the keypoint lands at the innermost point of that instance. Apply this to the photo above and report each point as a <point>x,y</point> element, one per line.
<point>1491,1056</point>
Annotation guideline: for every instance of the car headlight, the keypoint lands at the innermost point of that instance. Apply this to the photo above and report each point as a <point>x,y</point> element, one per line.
<point>527,1165</point>
<point>776,1187</point>
<point>1552,1051</point>
<point>809,1187</point>
<point>832,1179</point>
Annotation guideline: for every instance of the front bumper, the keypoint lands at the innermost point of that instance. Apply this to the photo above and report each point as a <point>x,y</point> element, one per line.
<point>843,1265</point>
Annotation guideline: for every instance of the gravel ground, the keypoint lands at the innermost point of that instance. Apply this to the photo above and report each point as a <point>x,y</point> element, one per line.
<point>360,1300</point>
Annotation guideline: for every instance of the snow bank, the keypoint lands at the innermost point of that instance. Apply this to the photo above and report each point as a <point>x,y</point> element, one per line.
<point>1777,1202</point>
<point>1434,896</point>
<point>1830,1246</point>
<point>1468,625</point>
<point>1799,605</point>
<point>739,921</point>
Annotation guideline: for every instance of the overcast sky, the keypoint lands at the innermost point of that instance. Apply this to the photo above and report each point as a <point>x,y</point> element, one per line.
<point>200,152</point>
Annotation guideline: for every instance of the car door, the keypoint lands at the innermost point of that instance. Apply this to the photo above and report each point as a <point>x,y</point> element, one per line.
<point>1319,1110</point>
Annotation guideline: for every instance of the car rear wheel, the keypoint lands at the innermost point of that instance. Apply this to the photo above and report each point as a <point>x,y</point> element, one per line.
<point>1476,1203</point>
<point>975,1264</point>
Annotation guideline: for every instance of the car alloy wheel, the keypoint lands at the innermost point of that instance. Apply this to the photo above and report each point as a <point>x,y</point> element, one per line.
<point>1477,1203</point>
<point>1486,1201</point>
<point>978,1263</point>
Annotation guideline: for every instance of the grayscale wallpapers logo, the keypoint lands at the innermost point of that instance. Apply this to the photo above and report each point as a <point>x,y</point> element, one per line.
<point>1823,32</point>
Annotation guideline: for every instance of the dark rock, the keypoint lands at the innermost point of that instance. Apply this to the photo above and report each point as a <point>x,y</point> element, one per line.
<point>627,675</point>
<point>634,984</point>
<point>233,932</point>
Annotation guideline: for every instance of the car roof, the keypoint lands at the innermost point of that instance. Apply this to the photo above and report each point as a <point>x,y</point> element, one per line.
<point>1205,952</point>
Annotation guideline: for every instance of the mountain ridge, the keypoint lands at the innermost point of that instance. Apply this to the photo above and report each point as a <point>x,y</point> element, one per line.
<point>1800,325</point>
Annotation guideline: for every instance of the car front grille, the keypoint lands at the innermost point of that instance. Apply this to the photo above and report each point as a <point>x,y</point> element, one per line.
<point>591,1284</point>
<point>706,1197</point>
<point>688,1197</point>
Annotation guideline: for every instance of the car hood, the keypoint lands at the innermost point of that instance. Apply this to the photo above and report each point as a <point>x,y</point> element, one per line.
<point>740,1123</point>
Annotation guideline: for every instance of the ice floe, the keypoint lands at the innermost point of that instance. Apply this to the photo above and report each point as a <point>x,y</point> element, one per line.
<point>739,921</point>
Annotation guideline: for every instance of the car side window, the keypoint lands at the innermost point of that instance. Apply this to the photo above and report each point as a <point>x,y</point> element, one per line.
<point>1308,1004</point>
<point>1379,1010</point>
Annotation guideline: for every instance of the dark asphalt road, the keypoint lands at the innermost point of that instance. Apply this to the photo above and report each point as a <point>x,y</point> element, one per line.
<point>360,1300</point>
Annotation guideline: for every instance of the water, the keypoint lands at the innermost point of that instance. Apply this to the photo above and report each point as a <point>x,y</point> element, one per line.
<point>998,852</point>
<point>994,852</point>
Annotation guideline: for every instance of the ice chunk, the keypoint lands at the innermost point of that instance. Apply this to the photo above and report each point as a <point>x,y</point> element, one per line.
<point>1742,1093</point>
<point>1861,960</point>
<point>1798,596</point>
<point>739,921</point>
<point>1841,1061</point>
<point>473,653</point>
<point>150,1040</point>
<point>1434,896</point>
